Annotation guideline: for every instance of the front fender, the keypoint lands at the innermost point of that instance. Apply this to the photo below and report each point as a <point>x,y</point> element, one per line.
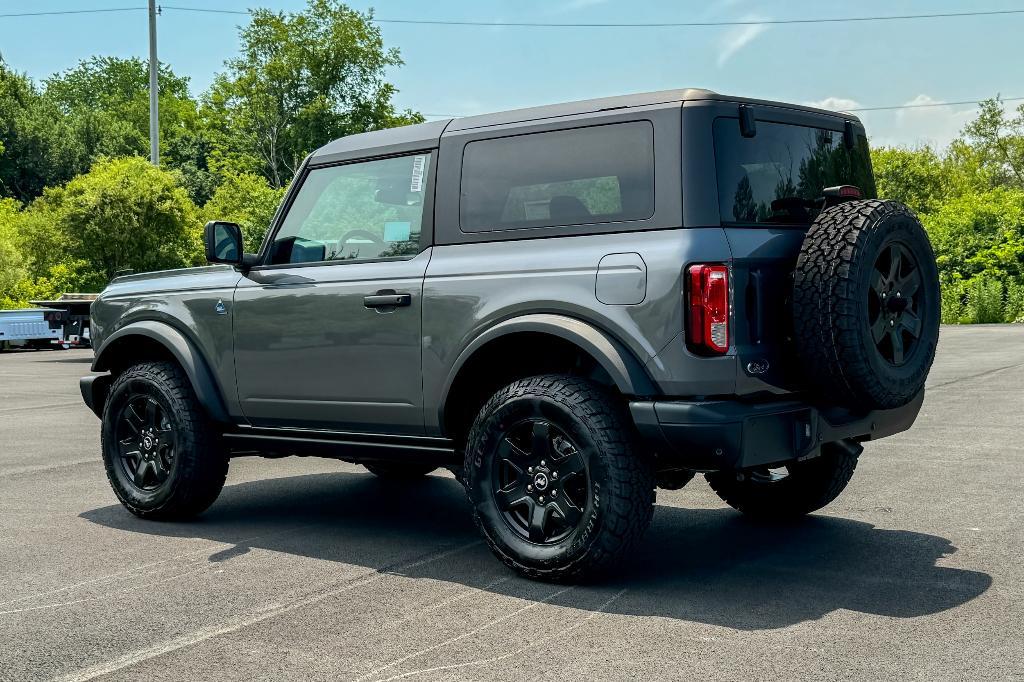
<point>624,369</point>
<point>183,350</point>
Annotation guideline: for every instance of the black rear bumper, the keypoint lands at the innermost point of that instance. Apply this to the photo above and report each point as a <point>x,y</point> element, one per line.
<point>711,435</point>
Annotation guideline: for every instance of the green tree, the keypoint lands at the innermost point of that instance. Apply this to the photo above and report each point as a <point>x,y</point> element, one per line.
<point>123,213</point>
<point>918,178</point>
<point>997,138</point>
<point>106,103</point>
<point>246,199</point>
<point>979,233</point>
<point>36,146</point>
<point>302,79</point>
<point>13,268</point>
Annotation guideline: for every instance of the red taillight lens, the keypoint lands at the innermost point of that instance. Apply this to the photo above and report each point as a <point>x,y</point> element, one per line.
<point>708,295</point>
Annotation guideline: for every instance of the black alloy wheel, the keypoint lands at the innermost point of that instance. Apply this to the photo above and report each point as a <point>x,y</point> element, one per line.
<point>146,442</point>
<point>893,304</point>
<point>540,481</point>
<point>162,454</point>
<point>559,487</point>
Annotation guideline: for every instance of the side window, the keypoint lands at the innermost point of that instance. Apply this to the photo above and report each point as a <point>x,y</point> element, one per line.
<point>355,212</point>
<point>599,174</point>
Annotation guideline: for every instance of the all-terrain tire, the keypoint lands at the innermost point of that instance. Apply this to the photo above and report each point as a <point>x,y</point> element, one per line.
<point>806,487</point>
<point>198,465</point>
<point>615,494</point>
<point>846,331</point>
<point>398,471</point>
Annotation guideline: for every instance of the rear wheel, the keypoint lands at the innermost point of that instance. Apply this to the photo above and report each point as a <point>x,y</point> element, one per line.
<point>162,458</point>
<point>558,488</point>
<point>866,304</point>
<point>399,470</point>
<point>789,490</point>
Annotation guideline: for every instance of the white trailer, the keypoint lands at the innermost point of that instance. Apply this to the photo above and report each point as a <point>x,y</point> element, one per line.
<point>29,327</point>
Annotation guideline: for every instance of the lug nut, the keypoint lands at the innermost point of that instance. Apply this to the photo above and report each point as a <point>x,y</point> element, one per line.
<point>554,474</point>
<point>541,498</point>
<point>529,470</point>
<point>543,463</point>
<point>554,493</point>
<point>529,488</point>
<point>892,323</point>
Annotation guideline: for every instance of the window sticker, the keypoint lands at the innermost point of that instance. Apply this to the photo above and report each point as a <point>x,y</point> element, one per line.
<point>398,231</point>
<point>418,164</point>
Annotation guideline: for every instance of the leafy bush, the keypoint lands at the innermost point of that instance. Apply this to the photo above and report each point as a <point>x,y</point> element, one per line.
<point>985,300</point>
<point>1015,302</point>
<point>246,199</point>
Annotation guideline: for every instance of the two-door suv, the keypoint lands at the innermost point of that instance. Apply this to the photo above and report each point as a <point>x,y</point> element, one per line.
<point>568,306</point>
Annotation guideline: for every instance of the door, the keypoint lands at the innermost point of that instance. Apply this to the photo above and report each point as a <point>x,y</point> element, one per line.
<point>327,331</point>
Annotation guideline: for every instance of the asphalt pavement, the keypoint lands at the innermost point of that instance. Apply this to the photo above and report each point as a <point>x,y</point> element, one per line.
<point>312,569</point>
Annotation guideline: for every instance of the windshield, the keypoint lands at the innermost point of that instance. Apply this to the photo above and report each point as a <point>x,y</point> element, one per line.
<point>778,175</point>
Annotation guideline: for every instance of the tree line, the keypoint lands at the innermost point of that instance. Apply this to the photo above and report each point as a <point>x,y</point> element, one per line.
<point>79,201</point>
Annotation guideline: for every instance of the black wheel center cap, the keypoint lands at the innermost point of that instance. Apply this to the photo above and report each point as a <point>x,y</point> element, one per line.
<point>147,443</point>
<point>897,304</point>
<point>540,481</point>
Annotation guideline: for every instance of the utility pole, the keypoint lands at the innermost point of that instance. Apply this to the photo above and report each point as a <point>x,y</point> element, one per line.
<point>154,66</point>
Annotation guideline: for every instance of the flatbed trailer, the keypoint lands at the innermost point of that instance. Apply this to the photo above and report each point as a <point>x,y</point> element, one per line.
<point>30,327</point>
<point>71,311</point>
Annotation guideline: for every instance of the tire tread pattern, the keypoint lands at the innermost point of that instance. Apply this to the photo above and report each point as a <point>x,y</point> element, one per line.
<point>201,461</point>
<point>827,308</point>
<point>627,504</point>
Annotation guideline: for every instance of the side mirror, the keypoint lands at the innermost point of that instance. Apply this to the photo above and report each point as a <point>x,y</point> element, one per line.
<point>223,242</point>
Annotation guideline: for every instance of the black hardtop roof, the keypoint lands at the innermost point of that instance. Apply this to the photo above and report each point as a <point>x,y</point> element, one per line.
<point>426,135</point>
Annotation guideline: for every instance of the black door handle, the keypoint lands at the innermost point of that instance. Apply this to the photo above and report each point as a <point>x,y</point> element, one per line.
<point>387,300</point>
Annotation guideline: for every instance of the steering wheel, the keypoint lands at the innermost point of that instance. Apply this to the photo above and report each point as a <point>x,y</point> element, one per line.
<point>359,234</point>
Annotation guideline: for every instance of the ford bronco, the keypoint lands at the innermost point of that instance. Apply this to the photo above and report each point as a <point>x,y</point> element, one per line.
<point>568,306</point>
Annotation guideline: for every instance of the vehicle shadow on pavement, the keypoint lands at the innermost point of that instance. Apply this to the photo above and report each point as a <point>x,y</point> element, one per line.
<point>708,566</point>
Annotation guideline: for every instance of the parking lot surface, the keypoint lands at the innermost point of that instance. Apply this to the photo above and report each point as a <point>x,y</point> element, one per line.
<point>312,569</point>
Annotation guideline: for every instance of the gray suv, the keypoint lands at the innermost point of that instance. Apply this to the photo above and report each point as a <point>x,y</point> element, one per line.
<point>568,306</point>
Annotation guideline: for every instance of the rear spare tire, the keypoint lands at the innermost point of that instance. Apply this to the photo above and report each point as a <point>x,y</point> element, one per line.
<point>866,304</point>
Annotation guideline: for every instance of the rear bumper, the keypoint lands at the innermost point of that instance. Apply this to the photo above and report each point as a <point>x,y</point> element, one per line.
<point>711,435</point>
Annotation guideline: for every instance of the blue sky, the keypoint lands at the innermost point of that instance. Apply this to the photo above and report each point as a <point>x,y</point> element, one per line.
<point>467,70</point>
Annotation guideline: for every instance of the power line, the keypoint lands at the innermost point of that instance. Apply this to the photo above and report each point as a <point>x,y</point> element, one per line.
<point>538,24</point>
<point>894,107</point>
<point>924,105</point>
<point>667,24</point>
<point>71,11</point>
<point>681,24</point>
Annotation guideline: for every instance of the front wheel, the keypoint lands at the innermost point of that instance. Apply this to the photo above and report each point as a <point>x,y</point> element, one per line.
<point>789,490</point>
<point>558,489</point>
<point>161,456</point>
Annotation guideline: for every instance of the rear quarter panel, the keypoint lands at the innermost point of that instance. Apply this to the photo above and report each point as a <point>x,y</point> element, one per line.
<point>471,287</point>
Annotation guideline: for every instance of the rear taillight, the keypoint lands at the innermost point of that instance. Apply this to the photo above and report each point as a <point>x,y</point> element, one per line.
<point>708,308</point>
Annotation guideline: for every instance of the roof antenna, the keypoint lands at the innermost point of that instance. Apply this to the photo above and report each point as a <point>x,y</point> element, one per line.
<point>748,127</point>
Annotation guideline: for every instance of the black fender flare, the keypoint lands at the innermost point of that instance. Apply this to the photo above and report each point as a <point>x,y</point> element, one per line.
<point>621,364</point>
<point>183,350</point>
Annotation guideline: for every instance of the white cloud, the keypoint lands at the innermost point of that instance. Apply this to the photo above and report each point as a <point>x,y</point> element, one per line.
<point>738,37</point>
<point>913,127</point>
<point>834,104</point>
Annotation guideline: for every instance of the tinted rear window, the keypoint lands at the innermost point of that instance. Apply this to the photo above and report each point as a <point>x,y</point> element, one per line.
<point>778,175</point>
<point>581,176</point>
